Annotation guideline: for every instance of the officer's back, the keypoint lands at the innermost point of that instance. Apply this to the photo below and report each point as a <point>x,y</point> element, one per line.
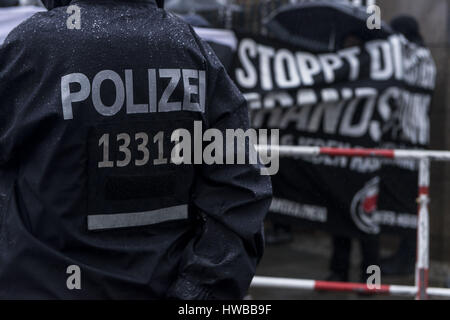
<point>91,97</point>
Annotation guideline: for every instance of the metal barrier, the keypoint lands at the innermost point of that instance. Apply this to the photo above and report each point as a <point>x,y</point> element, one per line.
<point>313,285</point>
<point>421,289</point>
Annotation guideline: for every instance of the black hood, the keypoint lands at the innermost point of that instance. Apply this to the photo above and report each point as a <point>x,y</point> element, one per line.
<point>8,3</point>
<point>50,4</point>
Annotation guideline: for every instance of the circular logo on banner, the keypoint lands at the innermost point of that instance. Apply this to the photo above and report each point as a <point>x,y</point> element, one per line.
<point>364,205</point>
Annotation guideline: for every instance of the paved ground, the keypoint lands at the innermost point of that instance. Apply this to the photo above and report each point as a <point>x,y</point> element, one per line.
<point>307,258</point>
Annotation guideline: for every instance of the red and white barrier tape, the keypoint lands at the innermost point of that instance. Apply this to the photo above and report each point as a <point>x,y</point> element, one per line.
<point>423,230</point>
<point>297,151</point>
<point>421,289</point>
<point>314,285</point>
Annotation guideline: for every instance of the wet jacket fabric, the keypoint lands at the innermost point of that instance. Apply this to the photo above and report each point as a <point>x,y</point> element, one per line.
<point>90,205</point>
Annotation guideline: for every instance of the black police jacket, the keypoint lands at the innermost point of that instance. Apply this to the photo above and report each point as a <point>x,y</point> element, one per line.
<point>93,203</point>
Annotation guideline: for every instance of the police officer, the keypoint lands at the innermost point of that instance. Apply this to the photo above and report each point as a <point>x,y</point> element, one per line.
<point>91,205</point>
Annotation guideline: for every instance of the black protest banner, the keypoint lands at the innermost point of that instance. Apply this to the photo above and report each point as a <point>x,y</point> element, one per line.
<point>372,96</point>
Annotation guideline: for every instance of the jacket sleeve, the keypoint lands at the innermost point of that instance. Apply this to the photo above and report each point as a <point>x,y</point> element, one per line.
<point>220,262</point>
<point>14,80</point>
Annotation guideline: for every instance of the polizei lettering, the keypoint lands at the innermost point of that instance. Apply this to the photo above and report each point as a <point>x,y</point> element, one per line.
<point>164,87</point>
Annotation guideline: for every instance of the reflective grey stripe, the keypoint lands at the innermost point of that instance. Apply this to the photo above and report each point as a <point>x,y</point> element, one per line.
<point>137,219</point>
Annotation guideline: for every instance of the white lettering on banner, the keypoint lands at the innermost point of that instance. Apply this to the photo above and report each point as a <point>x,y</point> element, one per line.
<point>247,78</point>
<point>269,68</point>
<point>351,129</point>
<point>330,64</point>
<point>406,119</point>
<point>394,219</point>
<point>329,114</point>
<point>303,97</point>
<point>285,70</point>
<point>382,66</point>
<point>351,116</point>
<point>411,122</point>
<point>308,66</point>
<point>351,55</point>
<point>266,54</point>
<point>365,165</point>
<point>330,117</point>
<point>192,82</point>
<point>304,211</point>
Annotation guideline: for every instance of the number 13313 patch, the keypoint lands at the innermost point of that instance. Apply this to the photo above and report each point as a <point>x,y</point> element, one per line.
<point>130,169</point>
